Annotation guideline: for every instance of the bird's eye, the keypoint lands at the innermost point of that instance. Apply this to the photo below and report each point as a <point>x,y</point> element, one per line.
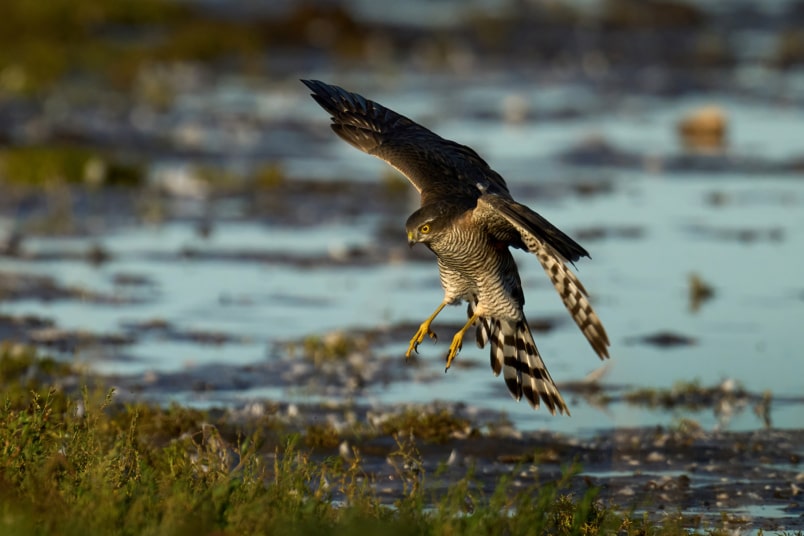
<point>424,229</point>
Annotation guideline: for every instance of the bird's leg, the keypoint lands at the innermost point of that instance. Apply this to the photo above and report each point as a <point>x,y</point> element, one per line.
<point>457,341</point>
<point>424,329</point>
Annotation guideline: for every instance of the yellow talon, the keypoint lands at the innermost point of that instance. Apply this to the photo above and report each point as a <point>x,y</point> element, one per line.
<point>417,339</point>
<point>454,348</point>
<point>457,341</point>
<point>424,329</point>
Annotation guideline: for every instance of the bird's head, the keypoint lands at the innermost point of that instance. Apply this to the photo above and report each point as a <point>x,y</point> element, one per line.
<point>424,224</point>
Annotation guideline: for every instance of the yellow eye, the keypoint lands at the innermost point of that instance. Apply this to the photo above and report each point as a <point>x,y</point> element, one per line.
<point>424,229</point>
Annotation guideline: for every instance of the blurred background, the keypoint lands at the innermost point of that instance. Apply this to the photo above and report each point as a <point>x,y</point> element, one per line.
<point>176,214</point>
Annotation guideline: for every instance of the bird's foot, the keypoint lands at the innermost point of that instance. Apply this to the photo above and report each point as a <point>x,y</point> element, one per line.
<point>417,339</point>
<point>454,348</point>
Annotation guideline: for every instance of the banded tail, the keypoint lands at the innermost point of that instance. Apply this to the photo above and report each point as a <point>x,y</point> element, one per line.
<point>514,353</point>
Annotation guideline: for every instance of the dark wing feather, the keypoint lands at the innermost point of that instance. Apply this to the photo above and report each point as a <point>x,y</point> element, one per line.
<point>522,217</point>
<point>440,169</point>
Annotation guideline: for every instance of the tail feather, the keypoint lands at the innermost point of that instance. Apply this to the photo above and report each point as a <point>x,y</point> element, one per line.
<point>514,353</point>
<point>496,360</point>
<point>512,372</point>
<point>541,384</point>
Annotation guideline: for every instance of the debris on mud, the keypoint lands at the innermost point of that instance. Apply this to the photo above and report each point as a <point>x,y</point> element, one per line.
<point>664,339</point>
<point>699,292</point>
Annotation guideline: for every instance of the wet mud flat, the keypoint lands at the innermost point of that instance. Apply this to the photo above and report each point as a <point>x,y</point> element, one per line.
<point>731,480</point>
<point>681,476</point>
<point>681,473</point>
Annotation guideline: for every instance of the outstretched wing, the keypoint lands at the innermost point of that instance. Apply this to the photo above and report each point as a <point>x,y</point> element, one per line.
<point>438,168</point>
<point>501,216</point>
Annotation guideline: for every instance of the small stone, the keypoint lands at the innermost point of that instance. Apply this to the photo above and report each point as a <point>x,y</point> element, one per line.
<point>704,129</point>
<point>345,451</point>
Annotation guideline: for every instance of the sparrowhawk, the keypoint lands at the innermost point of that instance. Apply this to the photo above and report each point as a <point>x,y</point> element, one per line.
<point>469,220</point>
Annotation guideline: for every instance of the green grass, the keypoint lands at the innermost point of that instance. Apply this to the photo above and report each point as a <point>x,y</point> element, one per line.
<point>57,164</point>
<point>101,471</point>
<point>43,43</point>
<point>684,394</point>
<point>77,462</point>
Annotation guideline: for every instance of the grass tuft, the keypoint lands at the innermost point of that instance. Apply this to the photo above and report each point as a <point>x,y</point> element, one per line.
<point>48,165</point>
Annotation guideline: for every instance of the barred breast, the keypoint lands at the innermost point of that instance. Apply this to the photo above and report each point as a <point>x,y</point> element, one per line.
<point>474,268</point>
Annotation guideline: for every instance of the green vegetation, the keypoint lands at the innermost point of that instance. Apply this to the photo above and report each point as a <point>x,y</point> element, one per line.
<point>43,42</point>
<point>438,426</point>
<point>76,462</point>
<point>47,165</point>
<point>269,176</point>
<point>688,395</point>
<point>789,51</point>
<point>334,346</point>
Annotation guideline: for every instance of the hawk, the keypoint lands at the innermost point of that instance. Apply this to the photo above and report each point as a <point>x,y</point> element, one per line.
<point>469,220</point>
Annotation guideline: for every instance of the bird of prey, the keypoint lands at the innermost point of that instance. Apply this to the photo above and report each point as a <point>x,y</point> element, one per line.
<point>469,220</point>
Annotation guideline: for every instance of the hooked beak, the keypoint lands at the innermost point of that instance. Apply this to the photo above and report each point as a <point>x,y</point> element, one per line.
<point>411,240</point>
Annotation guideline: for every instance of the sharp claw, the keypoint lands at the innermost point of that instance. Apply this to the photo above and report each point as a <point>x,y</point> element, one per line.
<point>454,349</point>
<point>418,339</point>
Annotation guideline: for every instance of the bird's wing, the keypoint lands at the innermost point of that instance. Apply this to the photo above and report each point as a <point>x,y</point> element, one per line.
<point>525,222</point>
<point>438,168</point>
<point>501,215</point>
